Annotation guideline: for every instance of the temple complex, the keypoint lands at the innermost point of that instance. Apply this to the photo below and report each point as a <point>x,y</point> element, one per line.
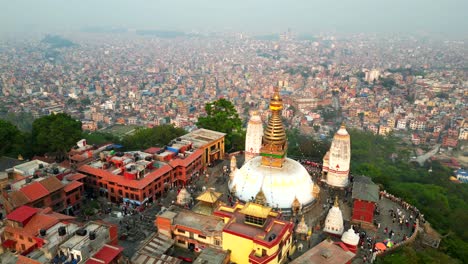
<point>282,181</point>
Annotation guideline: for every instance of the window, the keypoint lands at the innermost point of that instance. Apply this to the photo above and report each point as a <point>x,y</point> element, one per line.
<point>217,242</point>
<point>21,237</point>
<point>23,246</point>
<point>30,240</point>
<point>77,197</point>
<point>202,237</point>
<point>181,241</point>
<point>181,231</point>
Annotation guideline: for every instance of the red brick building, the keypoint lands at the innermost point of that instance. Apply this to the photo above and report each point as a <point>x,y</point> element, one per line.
<point>365,197</point>
<point>138,177</point>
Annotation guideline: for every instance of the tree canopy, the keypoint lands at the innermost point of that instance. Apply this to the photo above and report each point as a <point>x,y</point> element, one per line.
<point>149,137</point>
<point>55,133</point>
<point>13,141</point>
<point>221,116</point>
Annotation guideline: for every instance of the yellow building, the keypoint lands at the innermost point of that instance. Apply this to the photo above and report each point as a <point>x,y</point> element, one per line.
<point>255,234</point>
<point>212,143</point>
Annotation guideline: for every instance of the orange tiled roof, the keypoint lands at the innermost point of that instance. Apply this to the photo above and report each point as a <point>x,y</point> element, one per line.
<point>52,184</point>
<point>40,221</point>
<point>34,191</point>
<point>76,177</point>
<point>72,185</point>
<point>18,198</point>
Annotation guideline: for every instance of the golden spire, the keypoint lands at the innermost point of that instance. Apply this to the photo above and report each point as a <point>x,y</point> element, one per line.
<point>260,198</point>
<point>274,131</point>
<point>274,145</point>
<point>336,202</point>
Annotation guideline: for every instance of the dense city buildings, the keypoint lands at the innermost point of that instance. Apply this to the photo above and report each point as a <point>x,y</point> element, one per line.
<point>189,200</point>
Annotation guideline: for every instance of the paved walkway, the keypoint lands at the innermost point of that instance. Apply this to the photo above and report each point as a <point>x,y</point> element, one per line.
<point>389,223</point>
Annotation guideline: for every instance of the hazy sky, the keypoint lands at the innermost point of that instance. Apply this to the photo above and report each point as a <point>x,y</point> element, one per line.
<point>259,16</point>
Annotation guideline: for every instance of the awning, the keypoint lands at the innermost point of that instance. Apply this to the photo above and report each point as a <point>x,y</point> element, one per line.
<point>9,243</point>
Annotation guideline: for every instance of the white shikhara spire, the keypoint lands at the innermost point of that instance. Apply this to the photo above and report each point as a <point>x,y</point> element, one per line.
<point>339,159</point>
<point>334,222</point>
<point>253,138</point>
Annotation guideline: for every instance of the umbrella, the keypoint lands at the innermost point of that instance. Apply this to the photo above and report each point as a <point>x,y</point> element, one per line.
<point>388,242</point>
<point>380,246</point>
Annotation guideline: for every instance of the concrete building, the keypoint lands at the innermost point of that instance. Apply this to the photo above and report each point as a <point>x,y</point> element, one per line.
<point>211,142</point>
<point>88,241</point>
<point>191,230</point>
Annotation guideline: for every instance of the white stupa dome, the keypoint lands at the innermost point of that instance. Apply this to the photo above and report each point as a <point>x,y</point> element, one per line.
<point>334,221</point>
<point>280,185</point>
<point>350,237</point>
<point>183,197</point>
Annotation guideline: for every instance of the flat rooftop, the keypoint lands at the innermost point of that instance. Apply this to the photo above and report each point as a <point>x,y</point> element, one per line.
<point>76,241</point>
<point>201,137</point>
<point>207,224</point>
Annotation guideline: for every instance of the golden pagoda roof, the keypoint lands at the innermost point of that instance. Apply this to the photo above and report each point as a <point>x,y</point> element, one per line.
<point>256,210</point>
<point>209,196</point>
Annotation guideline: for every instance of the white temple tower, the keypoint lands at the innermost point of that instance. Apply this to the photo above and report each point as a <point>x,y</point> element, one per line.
<point>253,138</point>
<point>338,160</point>
<point>334,222</point>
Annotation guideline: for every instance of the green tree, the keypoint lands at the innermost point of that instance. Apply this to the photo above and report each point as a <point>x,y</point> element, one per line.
<point>55,133</point>
<point>221,116</point>
<point>13,141</point>
<point>149,137</point>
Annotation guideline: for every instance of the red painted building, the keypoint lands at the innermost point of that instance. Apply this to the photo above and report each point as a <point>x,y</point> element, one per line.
<point>365,197</point>
<point>138,177</point>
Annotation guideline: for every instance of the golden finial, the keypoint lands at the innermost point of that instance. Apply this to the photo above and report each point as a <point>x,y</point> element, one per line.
<point>260,198</point>
<point>20,157</point>
<point>336,202</point>
<point>343,125</point>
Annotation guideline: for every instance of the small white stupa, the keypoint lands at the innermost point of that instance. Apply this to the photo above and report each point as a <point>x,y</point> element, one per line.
<point>302,228</point>
<point>334,221</point>
<point>350,238</point>
<point>184,197</point>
